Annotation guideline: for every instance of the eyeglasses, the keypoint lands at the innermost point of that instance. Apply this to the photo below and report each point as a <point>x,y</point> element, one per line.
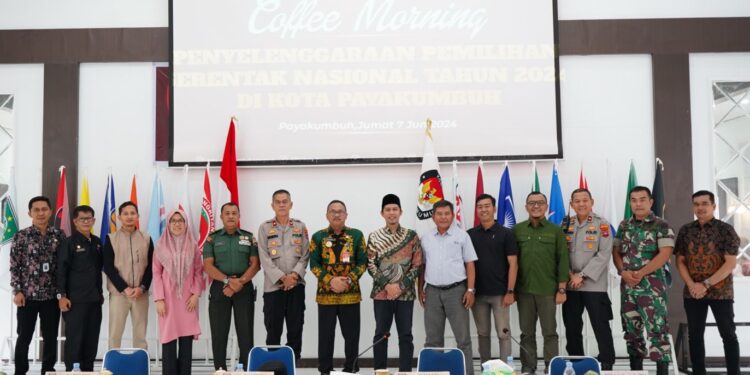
<point>85,219</point>
<point>177,221</point>
<point>336,212</point>
<point>535,203</point>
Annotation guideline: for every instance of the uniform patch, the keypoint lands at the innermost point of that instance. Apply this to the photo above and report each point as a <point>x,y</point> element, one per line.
<point>590,246</point>
<point>274,252</point>
<point>605,230</point>
<point>271,231</point>
<point>297,241</point>
<point>568,238</point>
<point>590,238</point>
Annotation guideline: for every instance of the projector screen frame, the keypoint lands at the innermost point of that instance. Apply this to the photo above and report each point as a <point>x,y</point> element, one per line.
<point>369,161</point>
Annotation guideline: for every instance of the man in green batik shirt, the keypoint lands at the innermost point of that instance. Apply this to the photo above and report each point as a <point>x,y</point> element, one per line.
<point>230,258</point>
<point>542,276</point>
<point>642,247</point>
<point>338,259</point>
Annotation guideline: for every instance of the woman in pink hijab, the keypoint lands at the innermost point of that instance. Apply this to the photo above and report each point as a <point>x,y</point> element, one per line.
<point>177,286</point>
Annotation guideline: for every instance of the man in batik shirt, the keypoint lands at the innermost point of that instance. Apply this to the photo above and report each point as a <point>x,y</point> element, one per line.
<point>393,259</point>
<point>33,262</point>
<point>338,259</point>
<point>706,252</point>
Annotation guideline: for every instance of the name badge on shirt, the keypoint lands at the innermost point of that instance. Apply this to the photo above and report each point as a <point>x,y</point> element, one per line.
<point>45,267</point>
<point>244,242</point>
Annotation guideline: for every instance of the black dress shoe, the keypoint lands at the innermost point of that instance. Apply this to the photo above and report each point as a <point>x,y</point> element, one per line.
<point>662,368</point>
<point>636,363</point>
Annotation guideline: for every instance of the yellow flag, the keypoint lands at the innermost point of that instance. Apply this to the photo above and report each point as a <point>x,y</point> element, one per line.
<point>84,200</point>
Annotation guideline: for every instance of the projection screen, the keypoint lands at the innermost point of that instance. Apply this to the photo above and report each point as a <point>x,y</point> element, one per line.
<point>333,81</point>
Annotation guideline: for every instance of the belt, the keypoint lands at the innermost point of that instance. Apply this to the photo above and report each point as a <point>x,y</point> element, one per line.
<point>449,286</point>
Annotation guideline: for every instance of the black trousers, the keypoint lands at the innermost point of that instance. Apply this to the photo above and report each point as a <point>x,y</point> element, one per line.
<point>599,308</point>
<point>49,319</point>
<point>283,305</point>
<point>82,324</point>
<point>385,312</point>
<point>177,364</point>
<point>220,317</point>
<point>723,310</point>
<point>348,317</point>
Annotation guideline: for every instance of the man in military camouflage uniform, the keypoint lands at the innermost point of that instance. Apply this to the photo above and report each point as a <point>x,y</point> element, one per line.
<point>590,243</point>
<point>642,247</point>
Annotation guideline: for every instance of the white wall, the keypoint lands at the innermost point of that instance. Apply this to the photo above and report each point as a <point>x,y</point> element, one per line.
<point>51,14</point>
<point>617,9</point>
<point>26,82</point>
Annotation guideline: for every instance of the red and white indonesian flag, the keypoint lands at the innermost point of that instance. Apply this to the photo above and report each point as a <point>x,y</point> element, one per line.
<point>207,212</point>
<point>430,185</point>
<point>62,209</point>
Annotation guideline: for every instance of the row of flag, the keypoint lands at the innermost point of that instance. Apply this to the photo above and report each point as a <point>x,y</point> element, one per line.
<point>430,191</point>
<point>156,223</point>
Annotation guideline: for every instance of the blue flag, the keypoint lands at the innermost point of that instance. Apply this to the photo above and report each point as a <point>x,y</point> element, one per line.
<point>109,218</point>
<point>157,220</point>
<point>556,202</point>
<point>505,215</point>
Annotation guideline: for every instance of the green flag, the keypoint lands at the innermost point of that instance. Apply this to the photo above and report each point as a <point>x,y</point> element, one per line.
<point>535,184</point>
<point>9,220</point>
<point>632,182</point>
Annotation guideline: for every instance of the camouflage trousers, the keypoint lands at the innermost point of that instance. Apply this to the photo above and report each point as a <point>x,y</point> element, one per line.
<point>649,312</point>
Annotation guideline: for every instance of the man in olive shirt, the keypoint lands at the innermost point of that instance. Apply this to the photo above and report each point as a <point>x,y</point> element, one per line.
<point>230,258</point>
<point>542,276</point>
<point>338,259</point>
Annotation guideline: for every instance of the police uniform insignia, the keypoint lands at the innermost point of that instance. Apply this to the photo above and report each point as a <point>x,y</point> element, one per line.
<point>272,231</point>
<point>592,227</point>
<point>605,230</point>
<point>590,219</point>
<point>297,241</point>
<point>590,238</point>
<point>568,238</point>
<point>274,252</point>
<point>590,246</point>
<point>298,250</point>
<point>274,243</point>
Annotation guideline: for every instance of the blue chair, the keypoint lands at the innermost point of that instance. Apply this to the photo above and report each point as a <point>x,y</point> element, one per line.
<point>441,359</point>
<point>581,364</point>
<point>262,354</point>
<point>127,361</point>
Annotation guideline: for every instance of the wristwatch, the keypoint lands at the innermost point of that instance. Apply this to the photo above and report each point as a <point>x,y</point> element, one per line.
<point>561,291</point>
<point>510,291</point>
<point>226,280</point>
<point>707,284</point>
<point>471,290</point>
<point>60,296</point>
<point>583,275</point>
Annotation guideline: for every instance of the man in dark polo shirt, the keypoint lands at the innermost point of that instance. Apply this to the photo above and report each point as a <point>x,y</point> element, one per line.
<point>706,252</point>
<point>496,270</point>
<point>79,290</point>
<point>230,258</point>
<point>542,277</point>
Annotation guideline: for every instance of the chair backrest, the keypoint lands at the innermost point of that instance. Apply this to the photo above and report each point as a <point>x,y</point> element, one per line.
<point>441,359</point>
<point>581,364</point>
<point>262,354</point>
<point>127,361</point>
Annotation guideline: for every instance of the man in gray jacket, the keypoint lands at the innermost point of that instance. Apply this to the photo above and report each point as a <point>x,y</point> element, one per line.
<point>590,244</point>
